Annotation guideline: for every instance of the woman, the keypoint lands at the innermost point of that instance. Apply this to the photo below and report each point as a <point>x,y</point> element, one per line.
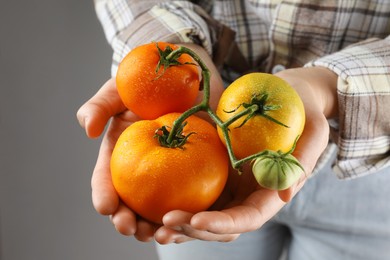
<point>336,54</point>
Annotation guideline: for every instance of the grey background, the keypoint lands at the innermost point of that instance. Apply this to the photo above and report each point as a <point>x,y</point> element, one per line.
<point>53,57</point>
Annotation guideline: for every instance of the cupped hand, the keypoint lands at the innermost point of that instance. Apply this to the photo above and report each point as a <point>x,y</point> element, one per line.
<point>244,206</point>
<point>93,116</point>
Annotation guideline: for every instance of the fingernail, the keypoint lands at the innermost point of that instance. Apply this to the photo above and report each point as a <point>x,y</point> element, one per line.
<point>178,239</point>
<point>86,121</point>
<point>178,228</point>
<point>293,188</point>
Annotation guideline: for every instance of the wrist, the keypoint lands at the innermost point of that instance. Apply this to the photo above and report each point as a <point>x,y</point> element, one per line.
<point>325,82</point>
<point>321,81</point>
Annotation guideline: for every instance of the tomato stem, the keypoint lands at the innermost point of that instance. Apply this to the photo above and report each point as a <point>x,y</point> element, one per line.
<point>204,104</point>
<point>248,111</point>
<point>180,139</point>
<point>257,106</point>
<point>262,108</point>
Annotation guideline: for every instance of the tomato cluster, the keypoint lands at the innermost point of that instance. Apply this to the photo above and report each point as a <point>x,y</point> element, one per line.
<point>152,175</point>
<point>172,159</point>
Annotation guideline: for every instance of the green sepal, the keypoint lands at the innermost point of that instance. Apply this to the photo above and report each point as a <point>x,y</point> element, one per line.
<point>178,141</point>
<point>166,62</point>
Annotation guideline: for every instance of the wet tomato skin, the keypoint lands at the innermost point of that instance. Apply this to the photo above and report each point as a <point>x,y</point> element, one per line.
<point>260,133</point>
<point>153,180</point>
<point>150,93</point>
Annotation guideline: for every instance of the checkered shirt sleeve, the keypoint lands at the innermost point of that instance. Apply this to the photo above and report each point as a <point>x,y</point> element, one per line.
<point>363,129</point>
<point>348,37</point>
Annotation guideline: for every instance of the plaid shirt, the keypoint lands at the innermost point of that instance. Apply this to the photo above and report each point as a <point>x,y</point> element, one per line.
<point>349,37</point>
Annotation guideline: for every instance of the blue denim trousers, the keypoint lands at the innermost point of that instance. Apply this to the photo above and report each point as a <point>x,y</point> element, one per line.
<point>328,219</point>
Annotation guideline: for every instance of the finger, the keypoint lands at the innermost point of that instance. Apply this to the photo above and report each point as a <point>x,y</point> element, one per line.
<point>165,235</point>
<point>145,230</point>
<point>287,194</point>
<point>178,229</point>
<point>104,196</point>
<point>95,113</point>
<point>124,221</point>
<point>251,214</point>
<point>257,209</point>
<point>309,148</point>
<point>239,219</point>
<point>312,142</point>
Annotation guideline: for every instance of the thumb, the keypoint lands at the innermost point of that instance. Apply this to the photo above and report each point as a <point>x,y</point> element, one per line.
<point>95,113</point>
<point>309,148</point>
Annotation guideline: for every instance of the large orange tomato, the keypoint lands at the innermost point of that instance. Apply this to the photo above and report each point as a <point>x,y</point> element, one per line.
<point>277,123</point>
<point>150,93</point>
<point>152,179</point>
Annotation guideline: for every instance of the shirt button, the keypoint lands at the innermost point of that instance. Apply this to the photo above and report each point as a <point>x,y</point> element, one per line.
<point>277,68</point>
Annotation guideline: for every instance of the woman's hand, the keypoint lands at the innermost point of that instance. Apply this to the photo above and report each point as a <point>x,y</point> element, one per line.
<point>244,206</point>
<point>93,116</point>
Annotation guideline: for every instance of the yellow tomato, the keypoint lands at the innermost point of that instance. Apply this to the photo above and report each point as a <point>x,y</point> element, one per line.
<point>278,121</point>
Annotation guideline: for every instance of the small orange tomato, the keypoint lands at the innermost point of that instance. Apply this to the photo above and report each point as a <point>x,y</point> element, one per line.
<point>277,123</point>
<point>153,180</point>
<point>150,93</point>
